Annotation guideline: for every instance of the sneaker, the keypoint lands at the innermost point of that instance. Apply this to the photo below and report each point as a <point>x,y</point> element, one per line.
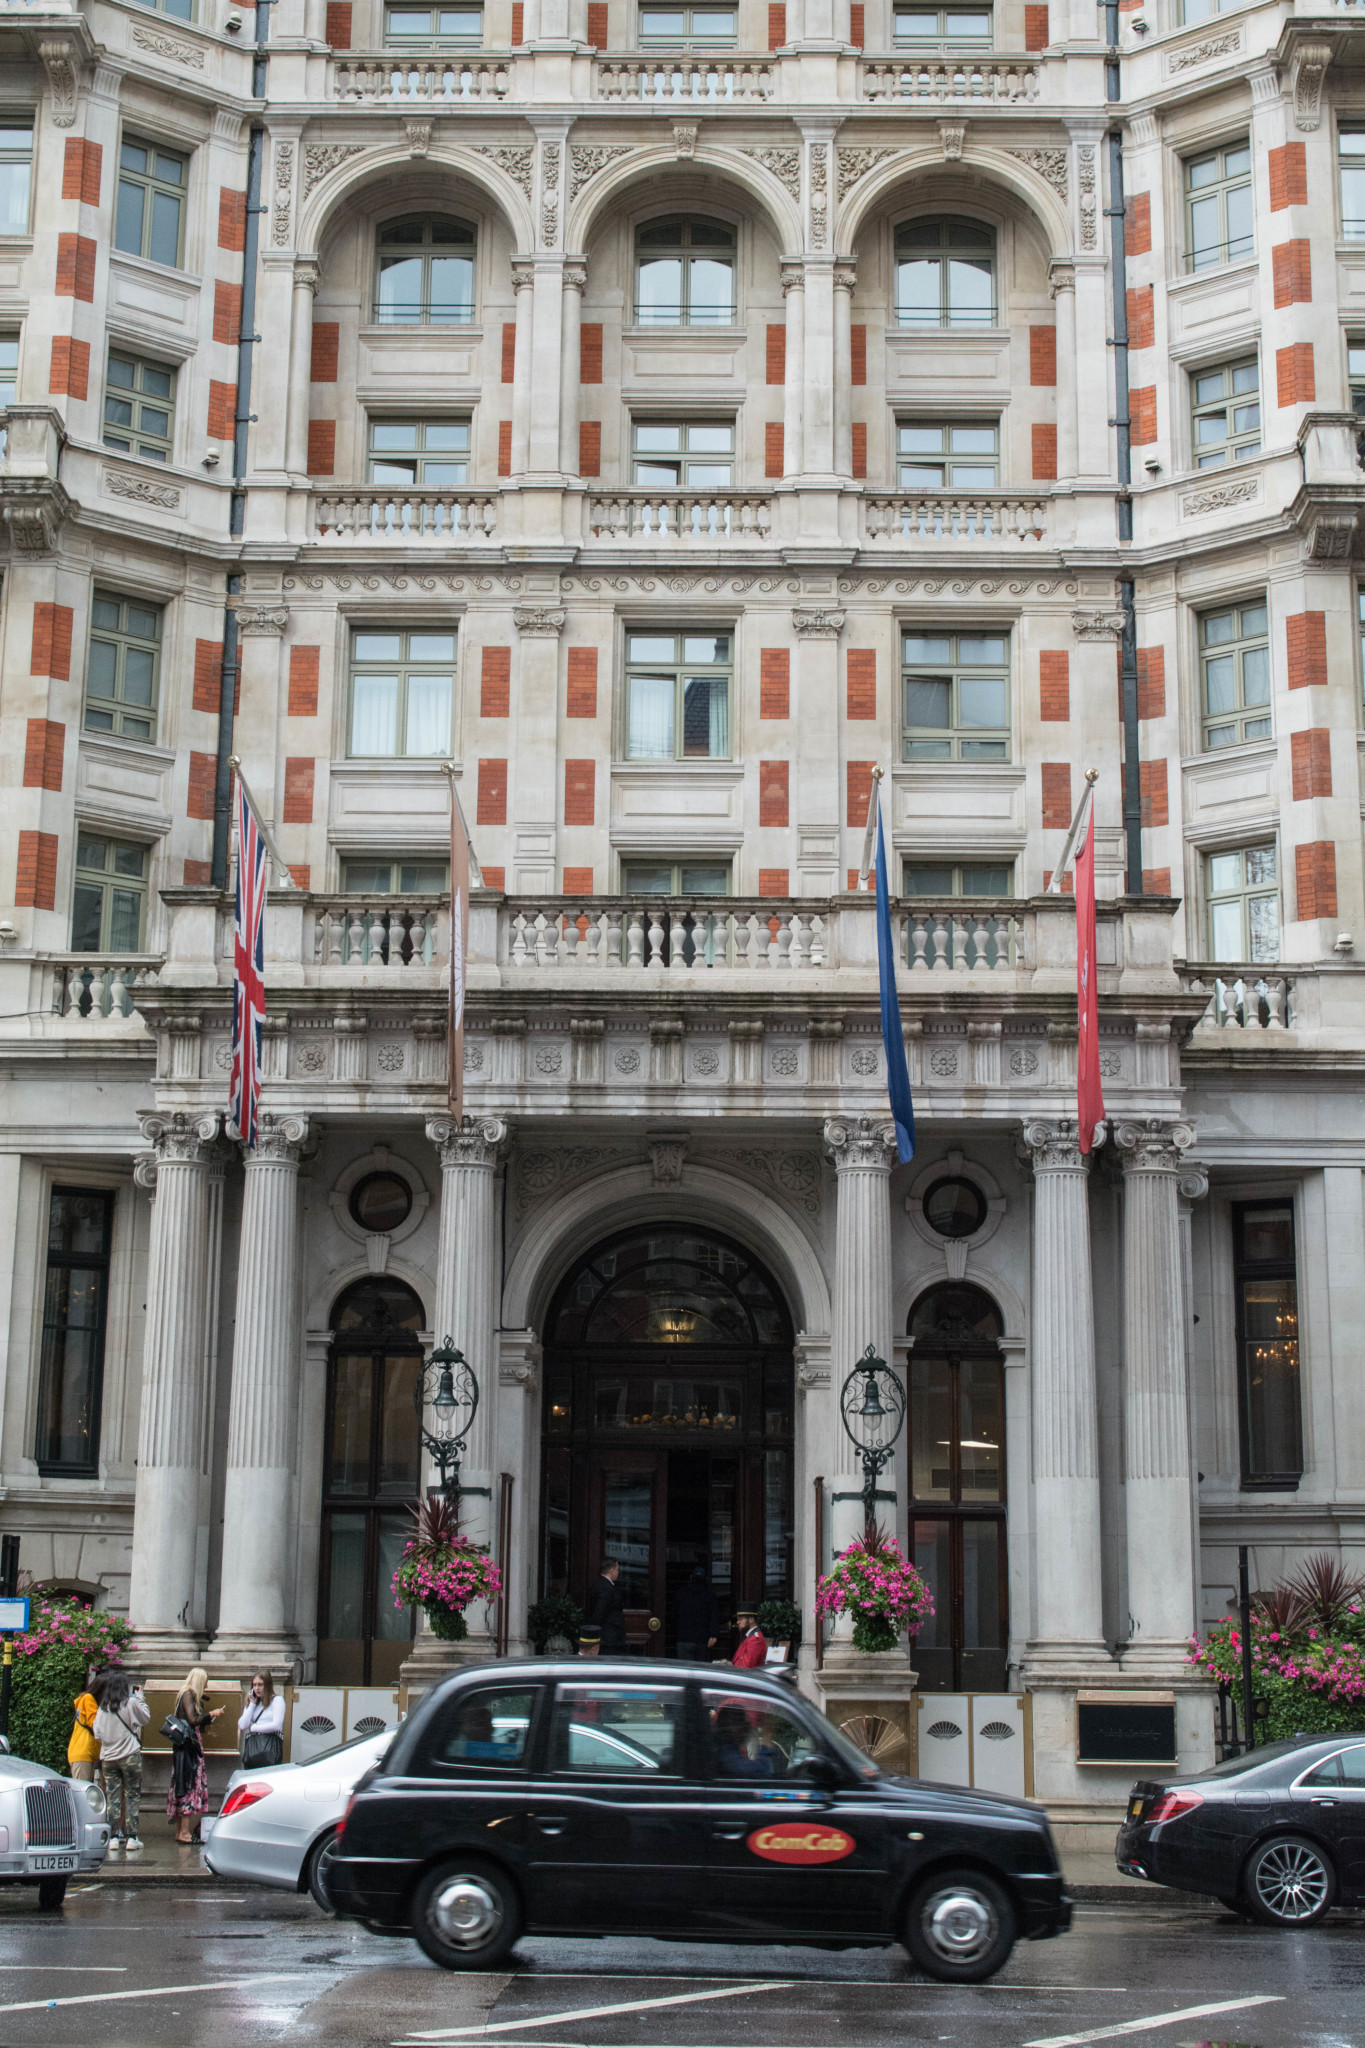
<point>131,1845</point>
<point>115,1845</point>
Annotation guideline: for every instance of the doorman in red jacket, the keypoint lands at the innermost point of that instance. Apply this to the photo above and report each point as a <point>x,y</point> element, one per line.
<point>753,1644</point>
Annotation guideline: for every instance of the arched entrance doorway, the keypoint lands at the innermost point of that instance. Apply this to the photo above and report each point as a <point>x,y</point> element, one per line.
<point>668,1426</point>
<point>371,1479</point>
<point>957,1488</point>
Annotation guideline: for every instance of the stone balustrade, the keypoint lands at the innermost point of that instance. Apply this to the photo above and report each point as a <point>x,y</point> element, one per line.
<point>988,517</point>
<point>951,81</point>
<point>679,80</point>
<point>377,931</point>
<point>954,936</point>
<point>441,516</point>
<point>1243,998</point>
<point>664,935</point>
<point>95,988</point>
<point>680,518</point>
<point>391,78</point>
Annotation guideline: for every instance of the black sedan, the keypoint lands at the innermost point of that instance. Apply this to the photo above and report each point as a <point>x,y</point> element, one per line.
<point>684,1801</point>
<point>1277,1834</point>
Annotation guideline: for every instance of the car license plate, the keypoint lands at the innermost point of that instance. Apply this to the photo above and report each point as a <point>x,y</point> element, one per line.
<point>52,1863</point>
<point>1135,1809</point>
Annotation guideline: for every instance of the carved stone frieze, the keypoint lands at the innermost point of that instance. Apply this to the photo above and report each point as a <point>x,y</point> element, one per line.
<point>794,1177</point>
<point>818,623</point>
<point>549,208</point>
<point>174,48</point>
<point>512,159</point>
<point>1050,164</point>
<point>261,621</point>
<point>1190,58</point>
<point>116,483</point>
<point>585,162</point>
<point>540,1173</point>
<point>785,165</point>
<point>284,187</point>
<point>320,159</point>
<point>1097,625</point>
<point>852,165</point>
<point>819,193</point>
<point>1220,499</point>
<point>538,622</point>
<point>1086,195</point>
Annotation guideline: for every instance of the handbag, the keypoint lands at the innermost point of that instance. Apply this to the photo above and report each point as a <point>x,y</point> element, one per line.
<point>259,1751</point>
<point>176,1729</point>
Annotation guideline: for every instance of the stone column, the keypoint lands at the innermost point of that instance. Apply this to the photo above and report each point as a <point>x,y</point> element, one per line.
<point>171,1424</point>
<point>300,366</point>
<point>794,294</point>
<point>863,1149</point>
<point>467,1267</point>
<point>1061,283</point>
<point>845,278</point>
<point>571,317</point>
<point>1161,1583</point>
<point>255,1611</point>
<point>1068,1615</point>
<point>523,284</point>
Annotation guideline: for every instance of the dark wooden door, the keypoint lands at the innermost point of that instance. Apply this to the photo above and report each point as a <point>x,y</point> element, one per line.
<point>629,1517</point>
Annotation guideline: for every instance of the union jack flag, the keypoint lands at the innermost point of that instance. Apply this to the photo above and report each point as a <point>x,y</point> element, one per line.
<point>248,970</point>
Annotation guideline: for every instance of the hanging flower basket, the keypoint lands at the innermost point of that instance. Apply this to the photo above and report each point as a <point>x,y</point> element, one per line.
<point>880,1588</point>
<point>443,1572</point>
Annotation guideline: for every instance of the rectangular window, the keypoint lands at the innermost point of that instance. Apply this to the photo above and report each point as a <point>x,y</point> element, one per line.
<point>75,1305</point>
<point>945,273</point>
<point>678,696</point>
<point>618,1731</point>
<point>1218,207</point>
<point>182,10</point>
<point>947,456</point>
<point>394,877</point>
<point>966,878</point>
<point>1243,902</point>
<point>421,455</point>
<point>682,455</point>
<point>149,212</point>
<point>109,898</point>
<point>427,28</point>
<point>402,690</point>
<point>675,878</point>
<point>1234,663</point>
<point>956,697</point>
<point>955,27</point>
<point>9,376</point>
<point>1355,372</point>
<point>139,407</point>
<point>1199,10</point>
<point>1351,166</point>
<point>1266,1281</point>
<point>122,670</point>
<point>689,28</point>
<point>16,175</point>
<point>1225,414</point>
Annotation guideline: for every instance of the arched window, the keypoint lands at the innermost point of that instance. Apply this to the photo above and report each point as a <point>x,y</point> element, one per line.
<point>685,273</point>
<point>957,1488</point>
<point>426,271</point>
<point>945,274</point>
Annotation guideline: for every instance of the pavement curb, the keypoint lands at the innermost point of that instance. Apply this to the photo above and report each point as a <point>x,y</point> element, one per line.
<point>206,1881</point>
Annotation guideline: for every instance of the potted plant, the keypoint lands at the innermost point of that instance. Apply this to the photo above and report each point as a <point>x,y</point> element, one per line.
<point>555,1619</point>
<point>780,1621</point>
<point>442,1571</point>
<point>880,1588</point>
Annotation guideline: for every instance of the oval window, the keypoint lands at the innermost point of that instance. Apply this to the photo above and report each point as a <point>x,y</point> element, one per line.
<point>381,1201</point>
<point>955,1208</point>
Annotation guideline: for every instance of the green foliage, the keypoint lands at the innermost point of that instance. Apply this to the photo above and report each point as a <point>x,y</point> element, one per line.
<point>447,1624</point>
<point>1307,1653</point>
<point>873,1631</point>
<point>780,1621</point>
<point>555,1615</point>
<point>50,1665</point>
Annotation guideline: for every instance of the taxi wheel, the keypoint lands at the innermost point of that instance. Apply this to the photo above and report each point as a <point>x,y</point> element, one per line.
<point>465,1914</point>
<point>320,1860</point>
<point>960,1927</point>
<point>1289,1883</point>
<point>51,1892</point>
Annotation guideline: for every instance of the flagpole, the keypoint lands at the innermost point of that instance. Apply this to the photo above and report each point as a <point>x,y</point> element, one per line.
<point>870,836</point>
<point>458,807</point>
<point>234,762</point>
<point>1073,837</point>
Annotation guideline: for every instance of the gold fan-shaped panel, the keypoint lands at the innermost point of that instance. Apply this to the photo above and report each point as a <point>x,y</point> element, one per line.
<point>876,1737</point>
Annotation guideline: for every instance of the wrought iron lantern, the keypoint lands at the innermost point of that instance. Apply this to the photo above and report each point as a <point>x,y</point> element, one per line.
<point>448,1392</point>
<point>872,1404</point>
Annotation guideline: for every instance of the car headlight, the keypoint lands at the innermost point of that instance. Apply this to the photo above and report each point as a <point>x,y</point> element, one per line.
<point>95,1798</point>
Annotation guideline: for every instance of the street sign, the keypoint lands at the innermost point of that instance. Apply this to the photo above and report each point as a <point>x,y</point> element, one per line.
<point>14,1614</point>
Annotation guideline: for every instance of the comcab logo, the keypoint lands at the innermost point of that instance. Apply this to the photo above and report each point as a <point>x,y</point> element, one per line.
<point>801,1841</point>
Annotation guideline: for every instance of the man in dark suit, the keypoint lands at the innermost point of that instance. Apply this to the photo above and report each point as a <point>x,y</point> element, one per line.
<point>696,1619</point>
<point>607,1607</point>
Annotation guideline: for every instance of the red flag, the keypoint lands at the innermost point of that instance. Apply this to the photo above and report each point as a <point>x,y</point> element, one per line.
<point>248,970</point>
<point>1089,1087</point>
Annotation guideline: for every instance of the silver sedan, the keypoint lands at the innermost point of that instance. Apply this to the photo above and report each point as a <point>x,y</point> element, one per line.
<point>278,1826</point>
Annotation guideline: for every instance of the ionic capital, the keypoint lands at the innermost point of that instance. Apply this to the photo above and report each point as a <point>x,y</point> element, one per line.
<point>861,1142</point>
<point>279,1139</point>
<point>1055,1147</point>
<point>179,1136</point>
<point>1148,1145</point>
<point>473,1142</point>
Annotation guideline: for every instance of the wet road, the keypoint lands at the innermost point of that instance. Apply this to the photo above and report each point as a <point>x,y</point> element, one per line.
<point>210,1970</point>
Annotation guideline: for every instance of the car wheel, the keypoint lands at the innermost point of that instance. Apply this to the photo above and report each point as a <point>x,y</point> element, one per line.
<point>320,1860</point>
<point>51,1892</point>
<point>465,1914</point>
<point>960,1927</point>
<point>1289,1882</point>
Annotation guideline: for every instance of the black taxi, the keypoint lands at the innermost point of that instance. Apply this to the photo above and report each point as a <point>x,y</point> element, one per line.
<point>689,1802</point>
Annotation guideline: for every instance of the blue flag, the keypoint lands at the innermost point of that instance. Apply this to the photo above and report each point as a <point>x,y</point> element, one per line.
<point>897,1072</point>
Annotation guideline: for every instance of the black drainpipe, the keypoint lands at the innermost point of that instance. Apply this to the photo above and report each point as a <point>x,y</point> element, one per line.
<point>246,341</point>
<point>1132,785</point>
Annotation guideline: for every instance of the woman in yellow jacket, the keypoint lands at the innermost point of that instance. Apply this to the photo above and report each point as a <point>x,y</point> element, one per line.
<point>82,1751</point>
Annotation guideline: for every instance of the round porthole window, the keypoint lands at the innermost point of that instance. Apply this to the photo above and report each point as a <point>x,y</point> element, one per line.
<point>381,1201</point>
<point>955,1208</point>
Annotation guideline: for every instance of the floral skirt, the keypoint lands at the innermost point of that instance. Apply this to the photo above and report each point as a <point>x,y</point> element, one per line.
<point>188,1792</point>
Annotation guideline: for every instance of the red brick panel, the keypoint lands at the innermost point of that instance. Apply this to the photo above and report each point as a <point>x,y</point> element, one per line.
<point>1042,355</point>
<point>1056,795</point>
<point>1054,681</point>
<point>36,884</point>
<point>582,693</point>
<point>858,793</point>
<point>1068,882</point>
<point>491,804</point>
<point>298,789</point>
<point>1137,228</point>
<point>774,682</point>
<point>326,348</point>
<point>589,447</point>
<point>505,447</point>
<point>75,267</point>
<point>580,786</point>
<point>301,874</point>
<point>578,881</point>
<point>227,312</point>
<point>518,23</point>
<point>772,449</point>
<point>590,352</point>
<point>1315,879</point>
<point>1293,270</point>
<point>1295,383</point>
<point>509,351</point>
<point>495,683</point>
<point>338,30</point>
<point>1142,416</point>
<point>81,167</point>
<point>1305,638</point>
<point>772,793</point>
<point>52,625</point>
<point>1036,36</point>
<point>1153,793</point>
<point>858,354</point>
<point>597,24</point>
<point>208,675</point>
<point>203,777</point>
<point>43,751</point>
<point>222,407</point>
<point>1151,682</point>
<point>199,874</point>
<point>322,447</point>
<point>1044,454</point>
<point>1156,881</point>
<point>773,882</point>
<point>231,219</point>
<point>1141,316</point>
<point>69,376</point>
<point>775,358</point>
<point>859,453</point>
<point>857,33</point>
<point>862,682</point>
<point>1310,754</point>
<point>493,878</point>
<point>1288,177</point>
<point>302,701</point>
<point>777,26</point>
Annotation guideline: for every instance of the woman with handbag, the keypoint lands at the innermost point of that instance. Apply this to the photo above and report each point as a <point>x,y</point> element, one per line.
<point>187,1796</point>
<point>261,1725</point>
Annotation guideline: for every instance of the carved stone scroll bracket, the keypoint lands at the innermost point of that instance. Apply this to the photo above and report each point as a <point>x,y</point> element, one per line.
<point>667,1156</point>
<point>1308,75</point>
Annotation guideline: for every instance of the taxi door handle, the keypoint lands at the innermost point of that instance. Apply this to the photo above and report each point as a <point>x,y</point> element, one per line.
<point>1324,1802</point>
<point>550,1823</point>
<point>729,1834</point>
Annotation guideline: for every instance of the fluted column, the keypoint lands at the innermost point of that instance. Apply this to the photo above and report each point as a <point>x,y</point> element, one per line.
<point>863,1149</point>
<point>1161,1585</point>
<point>467,1266</point>
<point>1069,1616</point>
<point>171,1423</point>
<point>255,1608</point>
<point>570,367</point>
<point>300,365</point>
<point>1062,285</point>
<point>524,285</point>
<point>845,278</point>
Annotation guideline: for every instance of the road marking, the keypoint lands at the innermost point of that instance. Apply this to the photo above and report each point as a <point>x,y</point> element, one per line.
<point>70,1969</point>
<point>1163,2019</point>
<point>161,1991</point>
<point>551,2020</point>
